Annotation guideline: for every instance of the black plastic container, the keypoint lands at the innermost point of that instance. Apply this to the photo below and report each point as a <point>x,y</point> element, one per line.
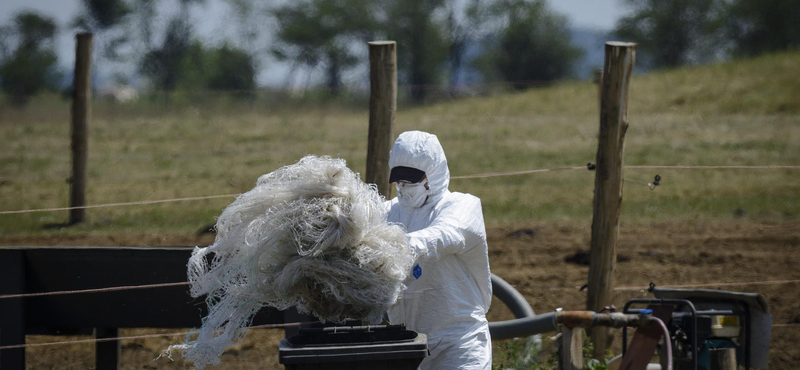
<point>353,347</point>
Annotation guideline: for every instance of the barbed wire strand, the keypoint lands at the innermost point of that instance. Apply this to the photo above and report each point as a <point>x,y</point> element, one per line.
<point>515,173</point>
<point>680,167</point>
<point>121,204</point>
<point>771,282</point>
<point>285,325</point>
<point>144,336</point>
<point>167,335</point>
<point>162,285</point>
<point>693,285</point>
<point>648,184</point>
<point>360,88</point>
<point>464,177</point>
<point>94,290</point>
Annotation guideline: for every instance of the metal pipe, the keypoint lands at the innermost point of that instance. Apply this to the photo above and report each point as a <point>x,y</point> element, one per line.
<point>527,323</point>
<point>523,327</point>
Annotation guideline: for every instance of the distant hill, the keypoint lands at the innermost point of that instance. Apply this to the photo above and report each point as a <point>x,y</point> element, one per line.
<point>768,84</point>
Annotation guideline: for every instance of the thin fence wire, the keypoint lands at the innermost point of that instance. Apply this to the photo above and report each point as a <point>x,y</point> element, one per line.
<point>463,177</point>
<point>789,325</point>
<point>693,285</point>
<point>766,167</point>
<point>141,202</point>
<point>164,285</point>
<point>167,335</point>
<point>515,173</point>
<point>709,285</point>
<point>356,88</point>
<point>294,324</point>
<point>94,290</point>
<point>144,336</point>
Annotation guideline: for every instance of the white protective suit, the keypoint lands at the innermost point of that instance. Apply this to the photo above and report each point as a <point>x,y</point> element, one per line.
<point>449,290</point>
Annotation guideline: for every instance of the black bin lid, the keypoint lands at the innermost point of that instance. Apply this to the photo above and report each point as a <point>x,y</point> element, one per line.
<point>346,344</point>
<point>352,335</point>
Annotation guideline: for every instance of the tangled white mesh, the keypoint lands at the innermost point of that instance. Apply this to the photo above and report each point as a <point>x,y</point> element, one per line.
<point>310,235</point>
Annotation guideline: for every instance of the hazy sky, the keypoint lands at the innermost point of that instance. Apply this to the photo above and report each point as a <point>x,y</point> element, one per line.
<point>209,21</point>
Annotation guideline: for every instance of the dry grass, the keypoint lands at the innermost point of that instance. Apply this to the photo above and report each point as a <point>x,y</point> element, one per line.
<point>669,253</point>
<point>205,149</point>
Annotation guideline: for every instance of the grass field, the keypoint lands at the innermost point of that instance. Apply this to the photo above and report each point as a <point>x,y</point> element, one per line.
<point>741,113</point>
<point>697,226</point>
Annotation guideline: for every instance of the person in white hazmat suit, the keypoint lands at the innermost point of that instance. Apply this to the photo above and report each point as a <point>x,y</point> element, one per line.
<point>449,290</point>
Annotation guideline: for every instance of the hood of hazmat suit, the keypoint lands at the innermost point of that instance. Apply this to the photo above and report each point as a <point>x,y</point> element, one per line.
<point>449,289</point>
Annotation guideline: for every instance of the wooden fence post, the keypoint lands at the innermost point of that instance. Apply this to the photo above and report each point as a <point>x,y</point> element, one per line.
<point>382,107</point>
<point>598,79</point>
<point>107,354</point>
<point>81,115</point>
<point>571,357</point>
<point>619,61</point>
<point>12,311</point>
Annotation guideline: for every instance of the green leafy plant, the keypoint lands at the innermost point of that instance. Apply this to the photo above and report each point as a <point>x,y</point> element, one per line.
<point>529,354</point>
<point>526,354</point>
<point>590,363</point>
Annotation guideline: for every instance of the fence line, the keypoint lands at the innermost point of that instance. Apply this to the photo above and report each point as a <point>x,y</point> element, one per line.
<point>95,290</point>
<point>698,285</point>
<point>293,324</point>
<point>767,167</point>
<point>514,173</point>
<point>166,335</point>
<point>163,285</point>
<point>464,177</point>
<point>362,88</point>
<point>144,336</point>
<point>771,282</point>
<point>789,325</point>
<point>121,204</point>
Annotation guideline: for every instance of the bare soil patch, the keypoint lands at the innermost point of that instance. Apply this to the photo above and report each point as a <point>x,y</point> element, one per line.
<point>534,260</point>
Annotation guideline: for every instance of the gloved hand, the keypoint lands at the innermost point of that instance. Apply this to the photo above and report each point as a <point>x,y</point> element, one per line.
<point>417,248</point>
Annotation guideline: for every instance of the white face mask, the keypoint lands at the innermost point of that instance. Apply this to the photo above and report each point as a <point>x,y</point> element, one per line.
<point>412,195</point>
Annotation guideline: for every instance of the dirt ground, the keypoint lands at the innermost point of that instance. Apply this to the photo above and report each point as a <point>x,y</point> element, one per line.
<point>534,260</point>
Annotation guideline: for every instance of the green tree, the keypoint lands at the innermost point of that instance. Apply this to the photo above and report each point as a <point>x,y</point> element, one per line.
<point>102,17</point>
<point>317,33</point>
<point>231,69</point>
<point>30,68</point>
<point>758,26</point>
<point>182,62</point>
<point>144,14</point>
<point>533,43</point>
<point>165,65</point>
<point>422,42</point>
<point>462,27</point>
<point>248,24</point>
<point>670,33</point>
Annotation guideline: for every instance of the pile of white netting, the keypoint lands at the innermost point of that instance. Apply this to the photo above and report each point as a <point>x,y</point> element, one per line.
<point>310,235</point>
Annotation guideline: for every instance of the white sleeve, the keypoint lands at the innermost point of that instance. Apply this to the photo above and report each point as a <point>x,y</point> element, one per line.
<point>455,230</point>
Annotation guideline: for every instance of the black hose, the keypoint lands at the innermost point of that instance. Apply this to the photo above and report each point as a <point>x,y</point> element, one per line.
<point>527,323</point>
<point>524,327</point>
<point>511,297</point>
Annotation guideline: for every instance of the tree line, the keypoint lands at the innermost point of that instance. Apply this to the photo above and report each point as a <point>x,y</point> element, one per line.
<point>515,40</point>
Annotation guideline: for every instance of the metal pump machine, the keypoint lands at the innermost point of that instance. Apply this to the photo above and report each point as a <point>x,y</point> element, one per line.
<point>709,330</point>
